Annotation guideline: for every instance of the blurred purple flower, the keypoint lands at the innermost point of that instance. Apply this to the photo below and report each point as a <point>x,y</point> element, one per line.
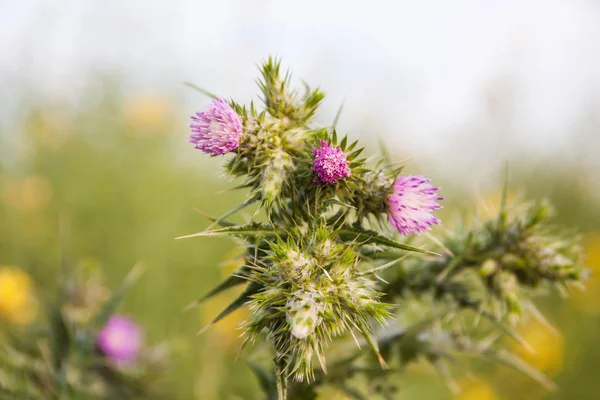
<point>216,130</point>
<point>411,204</point>
<point>330,164</point>
<point>120,339</point>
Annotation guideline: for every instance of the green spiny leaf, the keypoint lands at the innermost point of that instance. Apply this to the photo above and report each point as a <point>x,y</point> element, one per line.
<point>250,230</point>
<point>244,297</point>
<point>61,338</point>
<point>109,307</point>
<point>232,280</point>
<point>364,236</point>
<point>203,91</point>
<point>266,380</point>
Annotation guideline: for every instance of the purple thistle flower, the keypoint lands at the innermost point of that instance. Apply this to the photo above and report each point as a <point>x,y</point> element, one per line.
<point>120,340</point>
<point>330,164</point>
<point>411,204</point>
<point>216,130</point>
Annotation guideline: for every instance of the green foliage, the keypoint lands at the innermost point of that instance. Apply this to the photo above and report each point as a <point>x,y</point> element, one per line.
<point>59,360</point>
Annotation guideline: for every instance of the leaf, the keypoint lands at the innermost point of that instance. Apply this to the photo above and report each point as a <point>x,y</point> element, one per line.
<point>503,198</point>
<point>344,142</point>
<point>511,360</point>
<point>336,202</point>
<point>232,280</point>
<point>387,338</point>
<point>510,332</point>
<point>221,222</point>
<point>236,209</point>
<point>373,344</point>
<point>384,266</point>
<point>203,91</point>
<point>449,268</point>
<point>110,306</point>
<point>355,154</point>
<point>250,230</point>
<point>443,370</point>
<point>371,237</point>
<point>246,295</point>
<point>61,338</point>
<point>337,116</point>
<point>266,381</point>
<point>384,151</point>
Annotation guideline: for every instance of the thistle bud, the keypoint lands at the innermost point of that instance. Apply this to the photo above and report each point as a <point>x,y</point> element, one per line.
<point>488,267</point>
<point>303,315</point>
<point>275,174</point>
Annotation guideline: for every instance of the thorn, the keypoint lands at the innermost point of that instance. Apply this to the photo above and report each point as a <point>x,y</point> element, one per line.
<point>382,361</point>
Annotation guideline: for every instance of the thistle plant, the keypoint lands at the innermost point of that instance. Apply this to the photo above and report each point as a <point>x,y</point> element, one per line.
<point>82,351</point>
<point>340,256</point>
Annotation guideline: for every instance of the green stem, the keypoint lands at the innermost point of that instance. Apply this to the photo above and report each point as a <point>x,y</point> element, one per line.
<point>282,379</point>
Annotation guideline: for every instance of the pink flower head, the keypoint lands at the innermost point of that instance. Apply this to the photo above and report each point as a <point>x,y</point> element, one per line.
<point>330,164</point>
<point>120,339</point>
<point>216,130</point>
<point>411,204</point>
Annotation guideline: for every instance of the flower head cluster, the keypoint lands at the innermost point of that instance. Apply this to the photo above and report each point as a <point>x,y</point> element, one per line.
<point>411,203</point>
<point>312,264</point>
<point>216,130</point>
<point>330,165</point>
<point>120,339</point>
<point>312,292</point>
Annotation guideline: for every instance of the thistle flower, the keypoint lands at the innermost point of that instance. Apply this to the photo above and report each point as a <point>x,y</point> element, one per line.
<point>120,340</point>
<point>411,203</point>
<point>216,130</point>
<point>330,164</point>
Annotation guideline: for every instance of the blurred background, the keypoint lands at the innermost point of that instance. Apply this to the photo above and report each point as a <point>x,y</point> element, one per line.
<point>94,120</point>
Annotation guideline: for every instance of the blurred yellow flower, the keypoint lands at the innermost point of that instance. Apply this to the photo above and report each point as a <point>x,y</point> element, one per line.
<point>148,113</point>
<point>31,193</point>
<point>548,348</point>
<point>589,300</point>
<point>48,126</point>
<point>17,304</point>
<point>476,390</point>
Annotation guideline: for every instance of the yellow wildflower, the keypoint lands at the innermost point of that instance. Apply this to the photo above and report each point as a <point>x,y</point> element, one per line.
<point>476,390</point>
<point>548,348</point>
<point>31,193</point>
<point>17,304</point>
<point>147,113</point>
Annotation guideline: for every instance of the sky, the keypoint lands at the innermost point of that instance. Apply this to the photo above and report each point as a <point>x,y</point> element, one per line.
<point>425,75</point>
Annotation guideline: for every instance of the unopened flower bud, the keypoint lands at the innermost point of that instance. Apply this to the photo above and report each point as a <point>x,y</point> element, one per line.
<point>303,315</point>
<point>488,267</point>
